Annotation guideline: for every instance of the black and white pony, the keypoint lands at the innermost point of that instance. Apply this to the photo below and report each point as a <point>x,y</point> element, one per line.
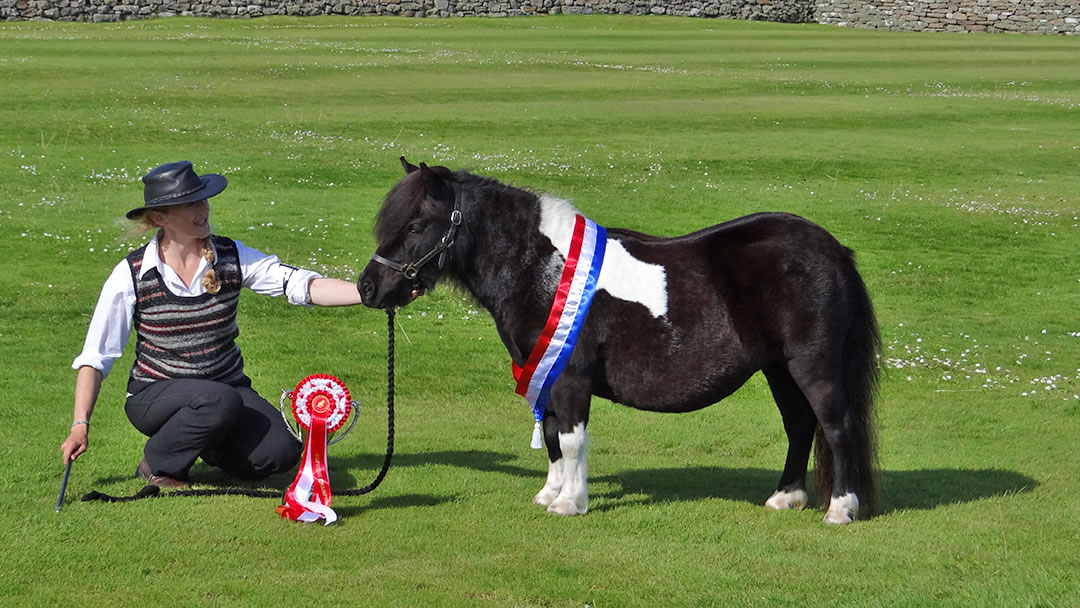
<point>676,324</point>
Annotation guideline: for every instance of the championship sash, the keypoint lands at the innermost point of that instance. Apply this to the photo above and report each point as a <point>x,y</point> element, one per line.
<point>577,286</point>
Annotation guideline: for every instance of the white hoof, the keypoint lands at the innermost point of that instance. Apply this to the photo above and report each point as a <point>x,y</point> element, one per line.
<point>567,507</point>
<point>842,510</point>
<point>783,501</point>
<point>545,497</point>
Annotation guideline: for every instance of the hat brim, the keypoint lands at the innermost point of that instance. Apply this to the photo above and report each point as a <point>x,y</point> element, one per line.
<point>213,184</point>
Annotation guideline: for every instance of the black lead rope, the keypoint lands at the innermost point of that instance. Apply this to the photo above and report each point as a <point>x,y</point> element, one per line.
<point>154,491</point>
<point>389,411</point>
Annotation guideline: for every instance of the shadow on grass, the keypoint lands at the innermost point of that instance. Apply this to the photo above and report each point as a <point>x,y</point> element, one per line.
<point>354,472</point>
<point>492,462</point>
<point>900,490</point>
<point>391,502</point>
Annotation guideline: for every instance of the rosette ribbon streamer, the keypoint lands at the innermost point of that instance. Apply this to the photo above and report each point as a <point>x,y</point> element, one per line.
<point>577,286</point>
<point>320,404</point>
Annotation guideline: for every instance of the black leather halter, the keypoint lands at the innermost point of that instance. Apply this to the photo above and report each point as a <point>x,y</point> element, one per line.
<point>410,270</point>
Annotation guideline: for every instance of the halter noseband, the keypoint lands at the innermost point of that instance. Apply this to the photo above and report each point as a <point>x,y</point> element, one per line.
<point>410,270</point>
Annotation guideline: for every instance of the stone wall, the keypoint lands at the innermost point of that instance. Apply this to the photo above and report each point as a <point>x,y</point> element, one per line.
<point>1033,16</point>
<point>787,11</point>
<point>1029,16</point>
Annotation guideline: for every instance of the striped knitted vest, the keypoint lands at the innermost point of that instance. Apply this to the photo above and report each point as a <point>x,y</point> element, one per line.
<point>187,337</point>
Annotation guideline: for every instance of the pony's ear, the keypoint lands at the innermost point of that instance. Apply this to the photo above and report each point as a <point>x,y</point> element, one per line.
<point>409,167</point>
<point>435,172</point>
<point>427,174</point>
<point>436,178</point>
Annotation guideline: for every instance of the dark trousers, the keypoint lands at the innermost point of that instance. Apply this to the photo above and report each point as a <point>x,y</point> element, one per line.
<point>232,428</point>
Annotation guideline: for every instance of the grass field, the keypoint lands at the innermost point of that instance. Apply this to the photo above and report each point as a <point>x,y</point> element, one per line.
<point>950,163</point>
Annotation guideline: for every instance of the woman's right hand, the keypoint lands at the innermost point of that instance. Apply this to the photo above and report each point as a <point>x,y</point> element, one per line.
<point>87,387</point>
<point>76,443</point>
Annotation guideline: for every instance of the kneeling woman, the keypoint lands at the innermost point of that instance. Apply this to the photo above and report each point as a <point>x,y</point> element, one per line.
<point>187,390</point>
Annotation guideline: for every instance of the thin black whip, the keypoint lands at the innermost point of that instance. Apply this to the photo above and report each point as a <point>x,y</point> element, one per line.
<point>151,491</point>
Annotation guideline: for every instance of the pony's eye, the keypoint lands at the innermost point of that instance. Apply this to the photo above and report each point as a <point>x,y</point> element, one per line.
<point>416,228</point>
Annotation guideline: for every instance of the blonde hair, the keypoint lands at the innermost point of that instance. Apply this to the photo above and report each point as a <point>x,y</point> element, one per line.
<point>210,281</point>
<point>145,225</point>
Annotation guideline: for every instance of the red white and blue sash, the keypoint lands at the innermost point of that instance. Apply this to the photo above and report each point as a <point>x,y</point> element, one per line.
<point>572,299</point>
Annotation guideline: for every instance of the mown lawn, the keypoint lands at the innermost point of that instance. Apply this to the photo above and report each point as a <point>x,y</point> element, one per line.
<point>950,163</point>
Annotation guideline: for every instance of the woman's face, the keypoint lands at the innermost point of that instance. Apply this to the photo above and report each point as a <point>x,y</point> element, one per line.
<point>187,221</point>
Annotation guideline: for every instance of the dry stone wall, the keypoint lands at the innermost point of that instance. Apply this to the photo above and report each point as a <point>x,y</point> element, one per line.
<point>789,11</point>
<point>1030,16</point>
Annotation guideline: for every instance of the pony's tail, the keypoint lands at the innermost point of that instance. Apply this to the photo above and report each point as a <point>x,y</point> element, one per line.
<point>861,372</point>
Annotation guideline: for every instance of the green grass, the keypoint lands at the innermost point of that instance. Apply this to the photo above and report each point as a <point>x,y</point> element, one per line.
<point>950,163</point>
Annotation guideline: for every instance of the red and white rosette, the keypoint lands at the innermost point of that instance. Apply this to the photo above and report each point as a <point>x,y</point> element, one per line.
<point>321,404</point>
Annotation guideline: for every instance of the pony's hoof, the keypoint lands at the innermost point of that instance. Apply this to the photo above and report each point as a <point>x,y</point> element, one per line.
<point>566,507</point>
<point>545,497</point>
<point>783,501</point>
<point>842,509</point>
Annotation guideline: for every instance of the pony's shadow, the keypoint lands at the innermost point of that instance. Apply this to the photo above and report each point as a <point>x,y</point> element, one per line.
<point>900,490</point>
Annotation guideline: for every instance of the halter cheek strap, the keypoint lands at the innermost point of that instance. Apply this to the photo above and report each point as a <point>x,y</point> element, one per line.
<point>410,270</point>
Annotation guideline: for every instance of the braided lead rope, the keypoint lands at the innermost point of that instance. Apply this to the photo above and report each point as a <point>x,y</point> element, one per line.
<point>389,411</point>
<point>151,491</point>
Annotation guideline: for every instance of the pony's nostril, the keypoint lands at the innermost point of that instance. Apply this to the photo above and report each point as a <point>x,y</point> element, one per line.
<point>366,287</point>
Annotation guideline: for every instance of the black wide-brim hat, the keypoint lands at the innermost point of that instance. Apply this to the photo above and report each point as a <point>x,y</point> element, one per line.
<point>175,184</point>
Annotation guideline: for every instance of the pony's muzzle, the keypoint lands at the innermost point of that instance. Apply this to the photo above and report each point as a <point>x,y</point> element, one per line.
<point>368,290</point>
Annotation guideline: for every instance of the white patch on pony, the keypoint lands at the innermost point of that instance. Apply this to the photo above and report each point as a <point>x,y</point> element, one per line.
<point>553,486</point>
<point>842,509</point>
<point>628,278</point>
<point>557,222</point>
<point>573,498</point>
<point>623,276</point>
<point>782,501</point>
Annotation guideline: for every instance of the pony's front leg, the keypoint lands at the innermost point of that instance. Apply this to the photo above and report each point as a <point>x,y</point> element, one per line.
<point>573,498</point>
<point>554,483</point>
<point>566,491</point>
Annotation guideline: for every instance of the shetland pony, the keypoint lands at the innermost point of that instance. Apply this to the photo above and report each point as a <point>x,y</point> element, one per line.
<point>676,324</point>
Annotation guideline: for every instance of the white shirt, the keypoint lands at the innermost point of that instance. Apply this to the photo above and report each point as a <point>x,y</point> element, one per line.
<point>111,324</point>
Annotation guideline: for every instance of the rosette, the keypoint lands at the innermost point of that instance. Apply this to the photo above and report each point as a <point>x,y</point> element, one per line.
<point>322,395</point>
<point>320,404</point>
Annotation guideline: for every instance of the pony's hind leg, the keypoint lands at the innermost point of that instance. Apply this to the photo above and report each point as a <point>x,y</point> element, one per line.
<point>554,483</point>
<point>799,424</point>
<point>836,464</point>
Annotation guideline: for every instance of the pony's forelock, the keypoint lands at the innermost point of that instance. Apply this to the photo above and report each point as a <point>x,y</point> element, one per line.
<point>402,204</point>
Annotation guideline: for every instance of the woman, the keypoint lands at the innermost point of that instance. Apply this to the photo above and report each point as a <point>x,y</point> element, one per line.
<point>187,390</point>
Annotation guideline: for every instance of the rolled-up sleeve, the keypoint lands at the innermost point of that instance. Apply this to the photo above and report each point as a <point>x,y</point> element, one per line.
<point>267,275</point>
<point>111,324</point>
